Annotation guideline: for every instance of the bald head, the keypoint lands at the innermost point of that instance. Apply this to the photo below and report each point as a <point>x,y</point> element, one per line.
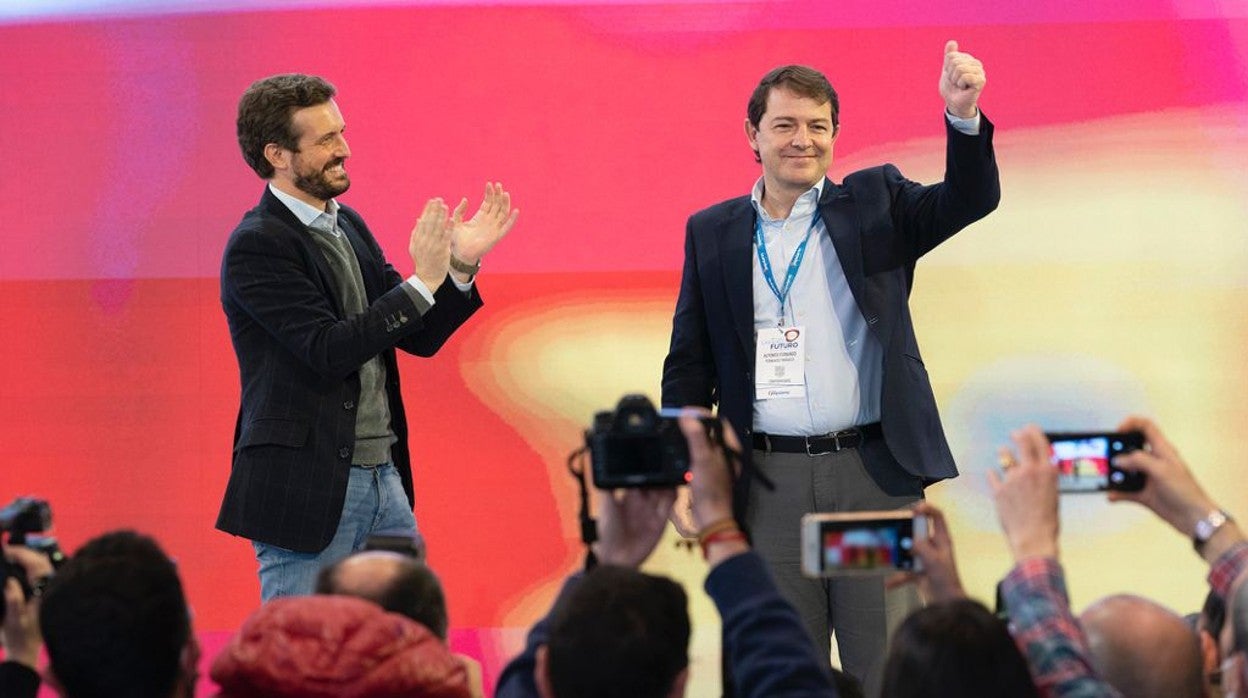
<point>367,574</point>
<point>398,583</point>
<point>1143,649</point>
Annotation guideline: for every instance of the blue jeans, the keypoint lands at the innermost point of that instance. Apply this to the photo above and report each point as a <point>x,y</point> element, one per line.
<point>375,503</point>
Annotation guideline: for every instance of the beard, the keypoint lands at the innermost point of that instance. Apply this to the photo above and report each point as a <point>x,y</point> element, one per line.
<point>319,185</point>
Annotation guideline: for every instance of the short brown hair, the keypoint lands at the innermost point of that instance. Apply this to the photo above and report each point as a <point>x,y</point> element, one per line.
<point>264,114</point>
<point>798,79</point>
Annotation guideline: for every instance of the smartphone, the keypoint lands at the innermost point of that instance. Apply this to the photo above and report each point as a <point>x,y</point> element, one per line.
<point>1084,460</point>
<point>860,542</point>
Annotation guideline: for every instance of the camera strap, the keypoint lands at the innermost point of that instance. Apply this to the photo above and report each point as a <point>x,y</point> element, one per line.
<point>589,527</point>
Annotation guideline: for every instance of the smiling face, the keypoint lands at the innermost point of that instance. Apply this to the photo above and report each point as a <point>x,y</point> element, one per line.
<point>793,140</point>
<point>315,171</point>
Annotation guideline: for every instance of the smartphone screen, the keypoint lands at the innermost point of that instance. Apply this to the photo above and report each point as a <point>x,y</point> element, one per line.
<point>858,544</point>
<point>1084,461</point>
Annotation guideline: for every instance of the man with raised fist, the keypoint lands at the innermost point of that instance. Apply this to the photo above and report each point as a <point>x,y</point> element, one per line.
<point>793,317</point>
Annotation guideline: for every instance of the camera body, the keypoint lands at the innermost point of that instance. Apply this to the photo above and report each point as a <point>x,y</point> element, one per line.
<point>1084,460</point>
<point>21,520</point>
<point>861,543</point>
<point>638,446</point>
<point>23,516</point>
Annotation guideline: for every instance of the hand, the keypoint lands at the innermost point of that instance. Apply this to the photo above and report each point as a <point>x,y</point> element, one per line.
<point>682,514</point>
<point>472,238</point>
<point>1026,496</point>
<point>1170,489</point>
<point>20,636</point>
<point>630,523</point>
<point>711,485</point>
<point>961,80</point>
<point>430,244</point>
<point>938,581</point>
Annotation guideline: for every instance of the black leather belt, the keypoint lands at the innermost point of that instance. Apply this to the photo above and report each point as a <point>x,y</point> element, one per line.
<point>818,445</point>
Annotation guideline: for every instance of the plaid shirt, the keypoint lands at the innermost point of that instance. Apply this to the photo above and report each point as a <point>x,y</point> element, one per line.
<point>1227,567</point>
<point>1050,637</point>
<point>1047,632</point>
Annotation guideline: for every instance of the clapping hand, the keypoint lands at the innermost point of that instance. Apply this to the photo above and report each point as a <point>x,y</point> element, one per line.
<point>471,239</point>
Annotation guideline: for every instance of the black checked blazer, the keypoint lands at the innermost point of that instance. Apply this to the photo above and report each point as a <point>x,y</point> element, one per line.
<point>880,224</point>
<point>299,356</point>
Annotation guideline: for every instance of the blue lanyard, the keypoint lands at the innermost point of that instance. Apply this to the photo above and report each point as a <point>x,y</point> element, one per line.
<point>764,260</point>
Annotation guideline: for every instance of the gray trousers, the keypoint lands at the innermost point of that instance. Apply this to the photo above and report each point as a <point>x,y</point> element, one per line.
<point>857,609</point>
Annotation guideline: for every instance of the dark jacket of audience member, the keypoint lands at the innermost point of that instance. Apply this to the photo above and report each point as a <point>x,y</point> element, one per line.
<point>771,655</point>
<point>340,646</point>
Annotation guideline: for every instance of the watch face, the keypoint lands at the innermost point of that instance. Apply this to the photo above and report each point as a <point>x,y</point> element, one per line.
<point>1202,530</point>
<point>1206,526</point>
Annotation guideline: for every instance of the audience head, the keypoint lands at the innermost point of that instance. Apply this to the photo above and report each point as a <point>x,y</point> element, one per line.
<point>1233,641</point>
<point>1212,615</point>
<point>1207,624</point>
<point>955,648</point>
<point>1143,649</point>
<point>309,646</point>
<point>116,624</point>
<point>398,583</point>
<point>620,633</point>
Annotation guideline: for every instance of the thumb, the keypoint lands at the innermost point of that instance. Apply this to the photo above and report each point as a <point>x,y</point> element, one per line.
<point>951,46</point>
<point>695,435</point>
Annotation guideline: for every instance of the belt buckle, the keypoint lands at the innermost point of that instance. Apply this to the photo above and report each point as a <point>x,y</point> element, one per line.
<point>846,434</point>
<point>836,440</point>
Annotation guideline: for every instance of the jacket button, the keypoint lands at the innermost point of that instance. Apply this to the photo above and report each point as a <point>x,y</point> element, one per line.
<point>344,452</point>
<point>348,405</point>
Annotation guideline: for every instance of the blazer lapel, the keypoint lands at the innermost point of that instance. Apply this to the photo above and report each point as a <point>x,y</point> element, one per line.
<point>312,251</point>
<point>737,248</point>
<point>837,209</point>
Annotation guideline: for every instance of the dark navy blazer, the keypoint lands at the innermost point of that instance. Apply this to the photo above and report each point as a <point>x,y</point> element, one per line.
<point>880,224</point>
<point>299,356</point>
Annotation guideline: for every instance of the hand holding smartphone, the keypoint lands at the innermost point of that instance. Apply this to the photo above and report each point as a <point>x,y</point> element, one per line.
<point>861,542</point>
<point>1084,461</point>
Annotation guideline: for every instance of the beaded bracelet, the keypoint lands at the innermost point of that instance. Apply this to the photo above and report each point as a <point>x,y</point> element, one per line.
<point>721,537</point>
<point>725,524</point>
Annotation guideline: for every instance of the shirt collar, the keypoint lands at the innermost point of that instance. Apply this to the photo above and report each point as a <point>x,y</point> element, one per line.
<point>305,212</point>
<point>804,206</point>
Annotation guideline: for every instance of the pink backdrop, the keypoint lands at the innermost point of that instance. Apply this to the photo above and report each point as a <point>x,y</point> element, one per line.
<point>610,123</point>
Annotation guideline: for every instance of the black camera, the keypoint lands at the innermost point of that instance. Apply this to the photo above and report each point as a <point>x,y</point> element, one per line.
<point>639,446</point>
<point>22,519</point>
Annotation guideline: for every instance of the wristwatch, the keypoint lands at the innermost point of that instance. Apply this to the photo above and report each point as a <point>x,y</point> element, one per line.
<point>1206,527</point>
<point>465,268</point>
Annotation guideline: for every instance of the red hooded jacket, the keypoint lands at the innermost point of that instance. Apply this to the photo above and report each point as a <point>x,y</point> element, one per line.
<point>341,646</point>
